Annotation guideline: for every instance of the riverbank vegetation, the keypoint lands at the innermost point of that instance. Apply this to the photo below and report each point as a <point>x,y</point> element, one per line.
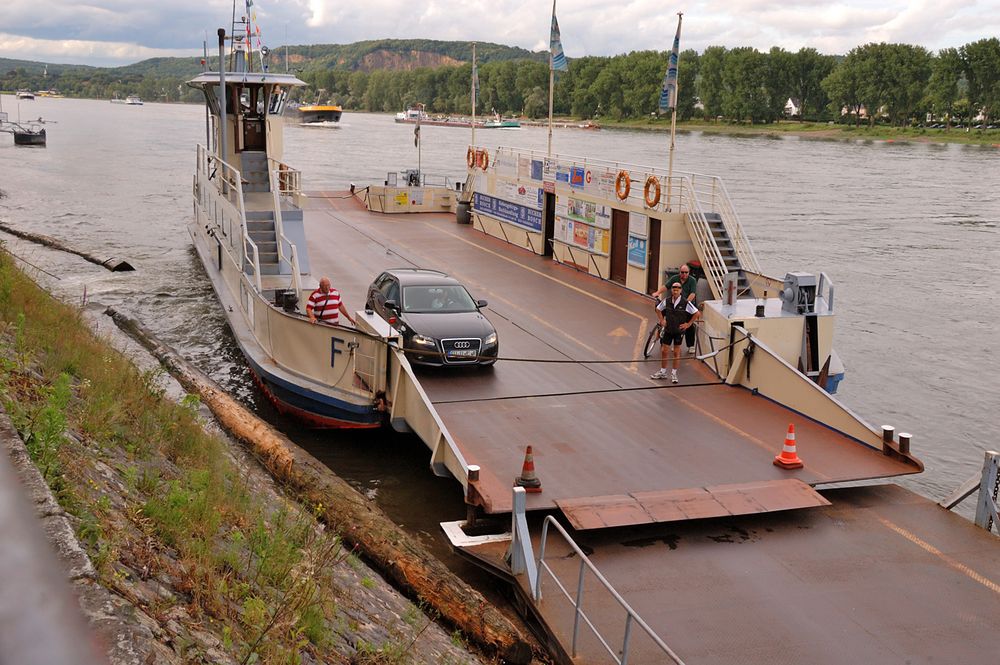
<point>198,540</point>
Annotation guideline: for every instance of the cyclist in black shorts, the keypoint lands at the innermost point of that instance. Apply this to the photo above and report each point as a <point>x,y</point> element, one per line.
<point>679,314</point>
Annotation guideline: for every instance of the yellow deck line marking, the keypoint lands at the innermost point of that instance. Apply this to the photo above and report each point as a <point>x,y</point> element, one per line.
<point>734,428</point>
<point>927,547</point>
<point>538,272</point>
<point>640,338</point>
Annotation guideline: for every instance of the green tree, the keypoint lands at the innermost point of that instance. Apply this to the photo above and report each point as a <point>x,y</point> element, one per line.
<point>745,96</point>
<point>709,84</point>
<point>842,86</point>
<point>942,88</point>
<point>809,68</point>
<point>981,63</point>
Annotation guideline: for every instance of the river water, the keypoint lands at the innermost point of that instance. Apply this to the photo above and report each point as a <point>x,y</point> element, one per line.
<point>909,233</point>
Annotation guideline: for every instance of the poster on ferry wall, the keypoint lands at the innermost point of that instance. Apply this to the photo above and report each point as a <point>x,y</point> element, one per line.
<point>505,164</point>
<point>638,224</point>
<point>536,169</point>
<point>636,251</point>
<point>524,167</point>
<point>606,184</point>
<point>520,194</point>
<point>507,211</point>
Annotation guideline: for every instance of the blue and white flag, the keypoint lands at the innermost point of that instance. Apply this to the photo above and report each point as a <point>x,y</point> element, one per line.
<point>559,63</point>
<point>668,94</point>
<point>475,79</point>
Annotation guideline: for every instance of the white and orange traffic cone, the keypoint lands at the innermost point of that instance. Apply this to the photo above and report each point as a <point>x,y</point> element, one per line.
<point>527,479</point>
<point>788,459</point>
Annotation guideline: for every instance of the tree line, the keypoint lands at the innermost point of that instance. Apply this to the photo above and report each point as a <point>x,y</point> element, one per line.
<point>898,84</point>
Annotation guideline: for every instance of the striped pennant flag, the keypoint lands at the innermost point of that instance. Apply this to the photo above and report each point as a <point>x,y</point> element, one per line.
<point>475,78</point>
<point>668,94</point>
<point>558,60</point>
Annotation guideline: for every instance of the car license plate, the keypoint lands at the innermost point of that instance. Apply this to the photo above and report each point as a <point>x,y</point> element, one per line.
<point>462,353</point>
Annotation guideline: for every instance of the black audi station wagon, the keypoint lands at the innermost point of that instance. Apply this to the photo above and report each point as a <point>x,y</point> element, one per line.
<point>440,322</point>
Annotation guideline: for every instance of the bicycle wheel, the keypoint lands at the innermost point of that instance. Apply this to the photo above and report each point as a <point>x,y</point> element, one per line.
<point>651,341</point>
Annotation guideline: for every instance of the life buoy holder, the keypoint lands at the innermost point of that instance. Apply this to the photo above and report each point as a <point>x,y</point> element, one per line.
<point>623,185</point>
<point>651,192</point>
<point>470,157</point>
<point>484,160</point>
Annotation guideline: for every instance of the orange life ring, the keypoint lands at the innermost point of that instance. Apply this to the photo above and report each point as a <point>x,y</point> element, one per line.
<point>484,160</point>
<point>652,185</point>
<point>623,185</point>
<point>470,157</point>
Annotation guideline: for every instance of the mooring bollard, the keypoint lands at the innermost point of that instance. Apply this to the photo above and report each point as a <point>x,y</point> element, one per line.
<point>904,443</point>
<point>887,433</point>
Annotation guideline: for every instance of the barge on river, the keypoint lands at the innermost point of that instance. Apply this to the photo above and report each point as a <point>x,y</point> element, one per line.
<point>698,548</point>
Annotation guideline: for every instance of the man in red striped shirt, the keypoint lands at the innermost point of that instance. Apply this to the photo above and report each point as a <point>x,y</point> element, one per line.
<point>325,304</point>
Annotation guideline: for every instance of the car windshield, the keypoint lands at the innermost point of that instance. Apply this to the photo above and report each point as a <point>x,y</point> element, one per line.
<point>426,299</point>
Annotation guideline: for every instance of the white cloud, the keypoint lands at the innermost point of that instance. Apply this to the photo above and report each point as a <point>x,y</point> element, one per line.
<point>123,31</point>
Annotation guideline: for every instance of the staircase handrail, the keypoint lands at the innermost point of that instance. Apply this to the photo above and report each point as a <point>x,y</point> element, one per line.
<point>232,178</point>
<point>720,202</point>
<point>707,248</point>
<point>279,231</point>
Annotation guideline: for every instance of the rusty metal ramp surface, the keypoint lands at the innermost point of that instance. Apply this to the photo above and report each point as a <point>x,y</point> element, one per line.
<point>881,575</point>
<point>571,381</point>
<point>598,512</point>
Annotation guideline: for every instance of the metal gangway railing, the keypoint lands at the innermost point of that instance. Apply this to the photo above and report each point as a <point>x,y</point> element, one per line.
<point>523,562</point>
<point>988,485</point>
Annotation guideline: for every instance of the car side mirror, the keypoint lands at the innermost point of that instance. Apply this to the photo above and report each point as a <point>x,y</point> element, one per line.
<point>481,303</point>
<point>391,304</point>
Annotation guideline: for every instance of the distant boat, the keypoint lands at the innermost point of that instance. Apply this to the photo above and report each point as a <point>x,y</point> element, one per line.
<point>412,114</point>
<point>23,136</point>
<point>499,123</point>
<point>131,100</point>
<point>25,94</point>
<point>310,114</point>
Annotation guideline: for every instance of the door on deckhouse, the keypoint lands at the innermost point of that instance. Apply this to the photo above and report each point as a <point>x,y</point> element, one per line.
<point>619,246</point>
<point>653,256</point>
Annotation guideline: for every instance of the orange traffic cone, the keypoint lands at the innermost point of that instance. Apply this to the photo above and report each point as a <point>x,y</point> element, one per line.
<point>788,459</point>
<point>527,479</point>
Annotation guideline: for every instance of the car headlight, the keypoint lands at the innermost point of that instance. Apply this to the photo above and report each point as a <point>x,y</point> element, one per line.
<point>420,340</point>
<point>490,340</point>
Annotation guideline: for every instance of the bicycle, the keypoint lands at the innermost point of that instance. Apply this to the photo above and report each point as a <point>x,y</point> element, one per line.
<point>652,340</point>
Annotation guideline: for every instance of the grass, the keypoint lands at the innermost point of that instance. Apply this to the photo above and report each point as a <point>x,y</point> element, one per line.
<point>177,507</point>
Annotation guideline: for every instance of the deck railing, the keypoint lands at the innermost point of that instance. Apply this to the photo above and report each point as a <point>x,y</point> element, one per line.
<point>693,194</point>
<point>988,484</point>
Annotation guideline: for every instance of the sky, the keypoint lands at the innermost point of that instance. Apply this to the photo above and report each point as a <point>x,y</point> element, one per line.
<point>108,33</point>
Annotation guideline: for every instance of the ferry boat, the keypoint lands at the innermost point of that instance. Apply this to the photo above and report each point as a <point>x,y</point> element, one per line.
<point>312,114</point>
<point>416,113</point>
<point>670,517</point>
<point>25,94</point>
<point>248,231</point>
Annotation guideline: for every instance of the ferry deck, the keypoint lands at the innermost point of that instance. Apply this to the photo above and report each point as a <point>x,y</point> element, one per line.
<point>778,572</point>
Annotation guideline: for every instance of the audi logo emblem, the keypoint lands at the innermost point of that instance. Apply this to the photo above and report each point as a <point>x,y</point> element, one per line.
<point>463,345</point>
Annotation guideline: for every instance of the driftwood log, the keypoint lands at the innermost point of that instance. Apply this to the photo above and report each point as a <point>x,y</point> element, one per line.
<point>112,264</point>
<point>360,523</point>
